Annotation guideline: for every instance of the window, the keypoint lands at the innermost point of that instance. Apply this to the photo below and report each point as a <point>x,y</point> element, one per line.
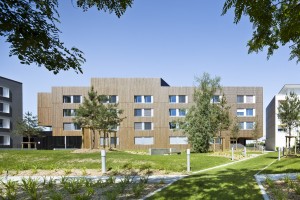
<point>137,99</point>
<point>71,127</point>
<point>178,140</point>
<point>249,99</point>
<point>172,112</point>
<point>241,125</point>
<point>177,99</point>
<point>69,112</point>
<point>147,126</point>
<point>5,140</point>
<point>245,99</point>
<point>113,141</point>
<point>249,112</point>
<point>112,99</point>
<point>147,99</point>
<point>177,112</point>
<point>172,99</point>
<point>1,107</point>
<point>147,112</point>
<point>249,125</point>
<point>5,123</point>
<point>140,126</point>
<point>240,99</point>
<point>71,99</point>
<point>137,112</point>
<point>76,99</point>
<point>67,99</point>
<point>143,140</point>
<point>4,92</point>
<point>172,125</point>
<point>143,112</point>
<point>182,112</point>
<point>4,108</point>
<point>182,98</point>
<point>216,99</point>
<point>240,112</point>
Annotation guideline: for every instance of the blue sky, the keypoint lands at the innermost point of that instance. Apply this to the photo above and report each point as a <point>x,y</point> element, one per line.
<point>172,39</point>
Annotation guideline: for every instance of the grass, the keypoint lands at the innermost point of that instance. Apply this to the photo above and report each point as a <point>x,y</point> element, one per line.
<point>116,160</point>
<point>231,182</point>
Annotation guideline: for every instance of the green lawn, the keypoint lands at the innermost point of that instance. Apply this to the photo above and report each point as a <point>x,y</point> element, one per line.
<point>116,160</point>
<point>232,182</point>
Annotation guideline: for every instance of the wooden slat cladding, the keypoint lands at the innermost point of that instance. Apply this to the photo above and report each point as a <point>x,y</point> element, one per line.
<point>45,109</point>
<point>126,89</point>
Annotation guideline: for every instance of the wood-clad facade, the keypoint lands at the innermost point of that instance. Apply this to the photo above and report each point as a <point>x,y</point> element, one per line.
<point>150,106</point>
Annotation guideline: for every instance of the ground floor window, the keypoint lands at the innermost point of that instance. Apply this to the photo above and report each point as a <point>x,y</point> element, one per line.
<point>178,140</point>
<point>143,140</point>
<point>4,140</point>
<point>113,141</point>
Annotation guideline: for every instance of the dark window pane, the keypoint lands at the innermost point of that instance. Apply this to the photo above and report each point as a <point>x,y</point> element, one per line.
<point>137,112</point>
<point>147,99</point>
<point>1,91</point>
<point>240,99</point>
<point>182,99</point>
<point>76,99</point>
<point>148,125</point>
<point>113,99</point>
<point>172,99</point>
<point>67,99</point>
<point>138,99</point>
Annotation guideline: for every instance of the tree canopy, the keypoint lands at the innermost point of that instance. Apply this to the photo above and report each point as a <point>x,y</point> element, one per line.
<point>275,22</point>
<point>289,112</point>
<point>30,27</point>
<point>97,115</point>
<point>28,126</point>
<point>202,120</point>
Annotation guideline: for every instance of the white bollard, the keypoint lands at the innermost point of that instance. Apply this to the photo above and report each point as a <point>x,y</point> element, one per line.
<point>245,151</point>
<point>232,154</point>
<point>278,153</point>
<point>188,157</point>
<point>103,160</point>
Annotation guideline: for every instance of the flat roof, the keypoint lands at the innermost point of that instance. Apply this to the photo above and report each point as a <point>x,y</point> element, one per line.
<point>10,80</point>
<point>287,88</point>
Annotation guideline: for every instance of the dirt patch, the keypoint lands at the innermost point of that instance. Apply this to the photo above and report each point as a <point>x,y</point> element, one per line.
<point>281,189</point>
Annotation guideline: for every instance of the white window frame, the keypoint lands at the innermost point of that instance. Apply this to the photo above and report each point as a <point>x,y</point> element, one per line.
<point>178,140</point>
<point>177,112</point>
<point>244,111</point>
<point>245,97</point>
<point>143,112</point>
<point>6,139</point>
<point>6,107</point>
<point>5,92</point>
<point>139,139</point>
<point>143,126</point>
<point>5,123</point>
<point>177,99</point>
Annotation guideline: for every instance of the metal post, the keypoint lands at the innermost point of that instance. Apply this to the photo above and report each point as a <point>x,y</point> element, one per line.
<point>278,153</point>
<point>232,153</point>
<point>103,158</point>
<point>188,156</point>
<point>65,142</point>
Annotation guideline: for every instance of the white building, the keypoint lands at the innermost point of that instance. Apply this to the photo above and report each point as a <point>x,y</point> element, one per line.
<point>275,134</point>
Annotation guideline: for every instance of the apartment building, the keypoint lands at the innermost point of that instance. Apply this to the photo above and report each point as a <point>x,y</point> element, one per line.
<point>275,133</point>
<point>11,110</point>
<point>150,106</point>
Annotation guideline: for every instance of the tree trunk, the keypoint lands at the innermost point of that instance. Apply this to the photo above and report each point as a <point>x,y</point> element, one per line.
<point>109,140</point>
<point>115,135</point>
<point>29,144</point>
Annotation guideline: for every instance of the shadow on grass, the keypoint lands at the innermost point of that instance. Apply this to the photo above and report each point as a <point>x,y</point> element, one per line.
<point>228,184</point>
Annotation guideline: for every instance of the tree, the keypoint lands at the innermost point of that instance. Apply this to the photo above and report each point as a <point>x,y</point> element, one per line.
<point>223,116</point>
<point>235,131</point>
<point>28,126</point>
<point>109,120</point>
<point>289,113</point>
<point>274,22</point>
<point>200,122</point>
<point>30,28</point>
<point>96,116</point>
<point>256,130</point>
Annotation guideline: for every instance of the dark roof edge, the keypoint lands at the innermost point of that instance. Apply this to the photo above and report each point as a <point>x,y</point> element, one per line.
<point>10,80</point>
